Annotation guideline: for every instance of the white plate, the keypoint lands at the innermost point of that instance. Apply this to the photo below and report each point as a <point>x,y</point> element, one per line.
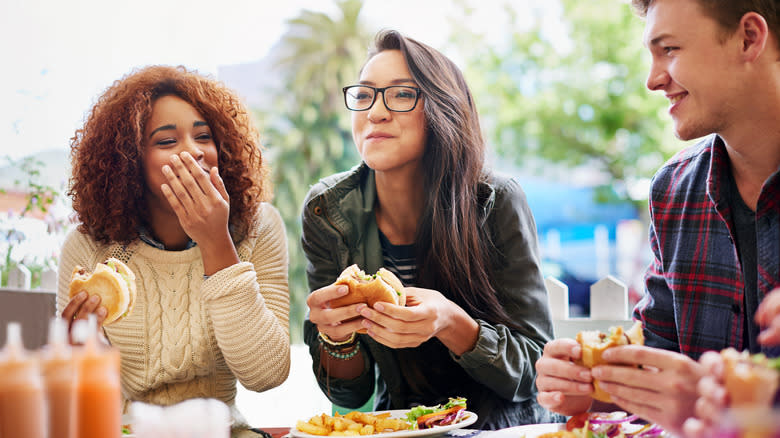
<point>468,420</point>
<point>527,431</point>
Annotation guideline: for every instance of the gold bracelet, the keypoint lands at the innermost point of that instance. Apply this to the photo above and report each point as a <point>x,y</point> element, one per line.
<point>348,342</point>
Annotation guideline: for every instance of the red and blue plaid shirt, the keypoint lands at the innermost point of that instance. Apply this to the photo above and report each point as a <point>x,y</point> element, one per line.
<point>694,288</point>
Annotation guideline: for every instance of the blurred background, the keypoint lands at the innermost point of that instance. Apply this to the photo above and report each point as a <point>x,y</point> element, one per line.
<point>559,85</point>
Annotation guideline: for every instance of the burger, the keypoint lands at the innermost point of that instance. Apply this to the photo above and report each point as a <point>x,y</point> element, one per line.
<point>363,288</point>
<point>383,286</point>
<point>751,379</point>
<point>112,281</point>
<point>595,342</point>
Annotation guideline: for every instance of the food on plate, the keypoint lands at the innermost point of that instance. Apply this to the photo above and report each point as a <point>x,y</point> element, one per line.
<point>559,434</point>
<point>426,417</point>
<point>595,342</point>
<point>751,379</point>
<point>352,424</point>
<point>363,288</point>
<point>608,424</point>
<point>113,281</point>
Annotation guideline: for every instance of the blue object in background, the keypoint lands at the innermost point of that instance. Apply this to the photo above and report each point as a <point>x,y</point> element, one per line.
<point>572,215</point>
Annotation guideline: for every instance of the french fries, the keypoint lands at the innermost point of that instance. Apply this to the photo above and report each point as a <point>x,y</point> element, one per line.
<point>352,424</point>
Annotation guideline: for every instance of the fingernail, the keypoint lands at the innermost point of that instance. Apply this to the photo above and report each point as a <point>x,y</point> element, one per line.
<point>175,159</point>
<point>365,312</point>
<point>343,290</point>
<point>94,299</point>
<point>166,169</point>
<point>360,307</point>
<point>584,375</point>
<point>81,295</point>
<point>184,155</point>
<point>102,312</point>
<point>596,373</point>
<point>379,306</point>
<point>583,387</point>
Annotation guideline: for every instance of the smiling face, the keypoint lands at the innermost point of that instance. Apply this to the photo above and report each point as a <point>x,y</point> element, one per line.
<point>388,140</point>
<point>694,68</point>
<point>174,127</point>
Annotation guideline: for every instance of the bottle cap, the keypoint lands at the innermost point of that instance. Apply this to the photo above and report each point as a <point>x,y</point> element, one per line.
<point>80,331</point>
<point>14,348</point>
<point>58,340</point>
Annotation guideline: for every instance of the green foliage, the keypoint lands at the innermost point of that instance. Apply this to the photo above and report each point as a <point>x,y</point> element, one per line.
<point>577,99</point>
<point>307,132</point>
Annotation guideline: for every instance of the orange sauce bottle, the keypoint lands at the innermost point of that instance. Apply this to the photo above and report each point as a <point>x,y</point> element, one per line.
<point>22,404</point>
<point>98,393</point>
<point>59,372</point>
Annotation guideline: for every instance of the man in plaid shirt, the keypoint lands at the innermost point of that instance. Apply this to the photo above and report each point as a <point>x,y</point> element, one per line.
<point>715,213</point>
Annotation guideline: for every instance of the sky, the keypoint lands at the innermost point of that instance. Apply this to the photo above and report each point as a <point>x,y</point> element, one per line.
<point>60,55</point>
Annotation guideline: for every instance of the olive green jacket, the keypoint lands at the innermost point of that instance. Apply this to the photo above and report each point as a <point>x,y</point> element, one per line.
<point>339,229</point>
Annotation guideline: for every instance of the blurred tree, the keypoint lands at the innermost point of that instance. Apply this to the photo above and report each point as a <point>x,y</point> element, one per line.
<point>307,132</point>
<point>575,97</point>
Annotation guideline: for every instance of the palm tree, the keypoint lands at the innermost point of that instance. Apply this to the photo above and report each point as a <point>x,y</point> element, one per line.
<point>307,132</point>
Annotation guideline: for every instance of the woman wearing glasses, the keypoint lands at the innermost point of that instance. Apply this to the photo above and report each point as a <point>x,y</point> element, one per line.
<point>463,241</point>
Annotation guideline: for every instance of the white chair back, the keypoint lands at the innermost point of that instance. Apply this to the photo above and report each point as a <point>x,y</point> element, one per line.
<point>608,307</point>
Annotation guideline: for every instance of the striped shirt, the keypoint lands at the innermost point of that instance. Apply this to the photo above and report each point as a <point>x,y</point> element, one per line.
<point>400,260</point>
<point>695,288</point>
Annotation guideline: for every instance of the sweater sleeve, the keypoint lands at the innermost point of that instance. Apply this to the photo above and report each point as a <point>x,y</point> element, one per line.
<point>504,357</point>
<point>249,306</point>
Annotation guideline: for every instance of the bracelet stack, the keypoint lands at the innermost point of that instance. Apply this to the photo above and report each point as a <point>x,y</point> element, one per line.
<point>343,350</point>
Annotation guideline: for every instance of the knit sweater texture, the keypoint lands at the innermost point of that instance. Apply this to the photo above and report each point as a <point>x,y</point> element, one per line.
<point>190,337</point>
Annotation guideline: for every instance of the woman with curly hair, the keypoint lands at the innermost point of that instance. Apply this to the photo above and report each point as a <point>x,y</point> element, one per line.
<point>168,177</point>
<point>424,205</point>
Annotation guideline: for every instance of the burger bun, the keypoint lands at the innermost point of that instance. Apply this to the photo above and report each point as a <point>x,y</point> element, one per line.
<point>112,281</point>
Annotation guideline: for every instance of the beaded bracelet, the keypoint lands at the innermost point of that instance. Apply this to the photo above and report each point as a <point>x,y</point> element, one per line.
<point>340,354</point>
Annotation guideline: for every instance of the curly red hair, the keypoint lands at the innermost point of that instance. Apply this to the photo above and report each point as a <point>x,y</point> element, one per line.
<point>107,185</point>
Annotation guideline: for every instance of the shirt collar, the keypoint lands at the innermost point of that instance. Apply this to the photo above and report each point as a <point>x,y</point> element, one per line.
<point>720,169</point>
<point>147,238</point>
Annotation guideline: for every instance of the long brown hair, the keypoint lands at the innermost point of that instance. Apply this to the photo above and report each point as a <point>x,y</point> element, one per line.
<point>454,250</point>
<point>107,183</point>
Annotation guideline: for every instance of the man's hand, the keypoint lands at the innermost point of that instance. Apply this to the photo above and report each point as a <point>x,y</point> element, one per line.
<point>662,391</point>
<point>564,387</point>
<point>768,317</point>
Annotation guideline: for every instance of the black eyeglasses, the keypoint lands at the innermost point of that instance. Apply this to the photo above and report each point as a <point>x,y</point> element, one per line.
<point>398,98</point>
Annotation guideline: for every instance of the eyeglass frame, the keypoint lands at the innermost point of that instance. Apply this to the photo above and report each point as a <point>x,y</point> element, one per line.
<point>384,100</point>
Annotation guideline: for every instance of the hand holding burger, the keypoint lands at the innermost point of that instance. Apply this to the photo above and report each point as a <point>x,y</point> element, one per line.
<point>594,343</point>
<point>363,288</point>
<point>740,382</point>
<point>383,286</point>
<point>112,282</point>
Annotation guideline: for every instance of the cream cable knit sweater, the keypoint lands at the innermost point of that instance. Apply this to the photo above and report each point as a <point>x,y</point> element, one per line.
<point>188,337</point>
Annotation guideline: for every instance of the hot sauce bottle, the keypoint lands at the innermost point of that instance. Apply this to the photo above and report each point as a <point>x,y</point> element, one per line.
<point>98,393</point>
<point>22,403</point>
<point>59,371</point>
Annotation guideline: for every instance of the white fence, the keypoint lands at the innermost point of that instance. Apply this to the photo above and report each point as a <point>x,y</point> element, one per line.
<point>299,395</point>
